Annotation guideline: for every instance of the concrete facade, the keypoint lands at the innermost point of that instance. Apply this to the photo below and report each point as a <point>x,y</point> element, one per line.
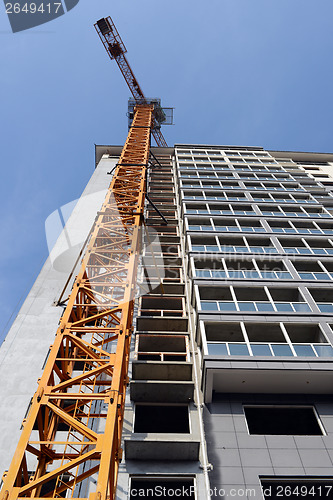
<point>258,229</point>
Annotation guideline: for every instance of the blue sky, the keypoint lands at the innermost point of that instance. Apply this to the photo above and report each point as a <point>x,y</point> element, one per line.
<point>247,72</point>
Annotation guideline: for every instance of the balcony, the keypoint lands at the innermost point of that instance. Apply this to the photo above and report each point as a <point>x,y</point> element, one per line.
<point>266,357</point>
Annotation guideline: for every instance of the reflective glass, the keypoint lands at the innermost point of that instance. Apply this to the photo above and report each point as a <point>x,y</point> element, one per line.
<point>324,350</point>
<point>282,350</point>
<point>261,350</point>
<point>252,274</point>
<point>209,306</point>
<point>307,276</point>
<point>227,306</point>
<point>217,349</point>
<point>283,275</point>
<point>219,274</point>
<point>283,307</point>
<point>325,307</point>
<point>319,251</point>
<point>304,350</point>
<point>321,276</point>
<point>246,306</point>
<point>202,273</point>
<point>238,350</point>
<point>264,306</point>
<point>268,275</point>
<point>236,274</point>
<point>301,307</point>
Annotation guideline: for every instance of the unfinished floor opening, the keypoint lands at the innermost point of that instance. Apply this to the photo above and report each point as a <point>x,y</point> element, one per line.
<point>162,418</point>
<point>162,487</point>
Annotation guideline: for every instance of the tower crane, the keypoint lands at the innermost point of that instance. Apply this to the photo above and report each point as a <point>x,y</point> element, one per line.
<point>70,444</point>
<point>116,50</point>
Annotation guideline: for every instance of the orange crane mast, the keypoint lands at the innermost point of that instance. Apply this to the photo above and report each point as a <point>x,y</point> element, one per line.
<point>74,425</point>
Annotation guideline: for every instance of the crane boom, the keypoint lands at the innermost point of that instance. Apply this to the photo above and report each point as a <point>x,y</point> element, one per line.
<point>73,429</point>
<point>116,50</point>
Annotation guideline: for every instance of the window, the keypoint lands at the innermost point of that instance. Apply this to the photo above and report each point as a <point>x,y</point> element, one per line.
<point>283,420</point>
<point>259,339</point>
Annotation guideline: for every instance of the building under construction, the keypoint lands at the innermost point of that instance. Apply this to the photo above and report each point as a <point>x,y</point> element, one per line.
<point>178,340</point>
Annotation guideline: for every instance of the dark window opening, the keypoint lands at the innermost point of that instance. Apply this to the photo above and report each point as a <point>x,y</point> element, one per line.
<point>294,489</point>
<point>297,421</point>
<point>161,418</point>
<point>177,487</point>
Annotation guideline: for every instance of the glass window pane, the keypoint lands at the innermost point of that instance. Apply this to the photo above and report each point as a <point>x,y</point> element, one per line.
<point>198,248</point>
<point>236,274</point>
<point>202,273</point>
<point>306,276</point>
<point>322,276</point>
<point>209,306</point>
<point>304,250</point>
<point>325,307</point>
<point>301,307</point>
<point>324,350</point>
<point>212,248</point>
<point>238,350</point>
<point>264,306</point>
<point>227,248</point>
<point>227,306</point>
<point>219,274</point>
<point>283,275</point>
<point>241,249</point>
<point>304,350</point>
<point>283,306</point>
<point>252,274</point>
<point>281,350</point>
<point>261,350</point>
<point>217,349</point>
<point>268,275</point>
<point>246,306</point>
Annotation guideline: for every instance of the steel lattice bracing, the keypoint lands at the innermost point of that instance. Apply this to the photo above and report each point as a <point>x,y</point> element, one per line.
<point>73,429</point>
<point>116,50</point>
